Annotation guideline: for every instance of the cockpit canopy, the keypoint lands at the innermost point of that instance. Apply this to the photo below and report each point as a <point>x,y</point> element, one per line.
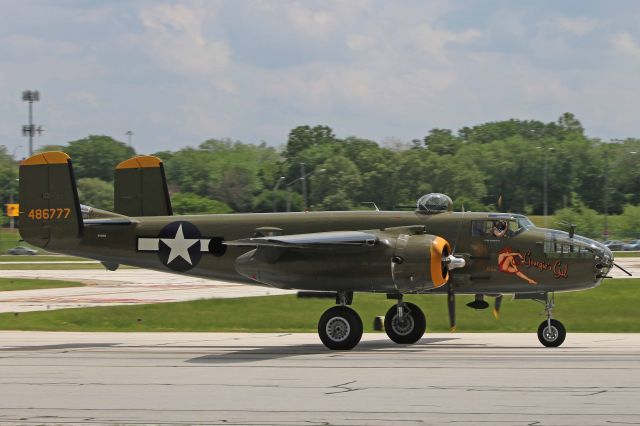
<point>434,203</point>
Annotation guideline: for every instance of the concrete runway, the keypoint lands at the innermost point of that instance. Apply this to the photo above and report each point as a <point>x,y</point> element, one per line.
<point>269,379</point>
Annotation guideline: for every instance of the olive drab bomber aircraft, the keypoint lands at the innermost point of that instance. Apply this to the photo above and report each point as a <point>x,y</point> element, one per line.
<point>431,250</point>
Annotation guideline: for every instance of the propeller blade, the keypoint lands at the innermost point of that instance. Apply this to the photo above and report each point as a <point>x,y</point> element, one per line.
<point>622,269</point>
<point>496,307</point>
<point>451,304</point>
<point>455,243</point>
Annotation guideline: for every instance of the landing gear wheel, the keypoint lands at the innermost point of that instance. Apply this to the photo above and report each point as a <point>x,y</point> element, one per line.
<point>554,336</point>
<point>340,328</point>
<point>408,330</point>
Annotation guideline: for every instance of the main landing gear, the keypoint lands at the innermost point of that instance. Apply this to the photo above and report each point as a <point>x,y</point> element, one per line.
<point>551,332</point>
<point>405,323</point>
<point>340,327</point>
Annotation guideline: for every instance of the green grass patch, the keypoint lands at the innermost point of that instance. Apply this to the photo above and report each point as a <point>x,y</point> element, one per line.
<point>612,307</point>
<point>11,284</point>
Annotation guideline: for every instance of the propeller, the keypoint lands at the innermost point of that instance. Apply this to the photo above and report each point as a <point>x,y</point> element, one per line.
<point>451,305</point>
<point>453,263</point>
<point>496,306</point>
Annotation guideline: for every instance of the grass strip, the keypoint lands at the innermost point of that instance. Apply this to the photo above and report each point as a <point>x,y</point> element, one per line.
<point>612,307</point>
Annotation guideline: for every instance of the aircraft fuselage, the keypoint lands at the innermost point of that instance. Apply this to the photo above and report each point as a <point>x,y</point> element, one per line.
<point>526,259</point>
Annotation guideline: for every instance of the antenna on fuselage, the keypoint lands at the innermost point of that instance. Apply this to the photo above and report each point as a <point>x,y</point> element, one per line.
<point>375,206</point>
<point>571,226</point>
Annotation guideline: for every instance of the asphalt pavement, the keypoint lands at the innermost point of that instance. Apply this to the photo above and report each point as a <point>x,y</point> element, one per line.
<point>291,379</point>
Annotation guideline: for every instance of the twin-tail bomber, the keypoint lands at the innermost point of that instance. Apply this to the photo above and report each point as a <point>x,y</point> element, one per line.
<point>431,250</point>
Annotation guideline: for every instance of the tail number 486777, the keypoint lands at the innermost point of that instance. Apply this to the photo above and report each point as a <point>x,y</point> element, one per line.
<point>49,214</point>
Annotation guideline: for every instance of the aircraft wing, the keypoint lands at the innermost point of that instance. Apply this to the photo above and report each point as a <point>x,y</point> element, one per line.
<point>317,240</point>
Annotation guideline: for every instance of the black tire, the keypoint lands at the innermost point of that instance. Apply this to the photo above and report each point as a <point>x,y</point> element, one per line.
<point>410,332</point>
<point>554,337</point>
<point>340,328</point>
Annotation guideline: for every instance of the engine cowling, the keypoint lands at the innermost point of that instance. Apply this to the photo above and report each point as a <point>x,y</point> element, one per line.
<point>420,261</point>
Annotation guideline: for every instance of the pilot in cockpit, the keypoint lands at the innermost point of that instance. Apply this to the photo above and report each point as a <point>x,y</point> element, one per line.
<point>500,228</point>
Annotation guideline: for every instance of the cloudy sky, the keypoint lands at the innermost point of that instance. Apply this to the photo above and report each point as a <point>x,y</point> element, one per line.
<point>177,73</point>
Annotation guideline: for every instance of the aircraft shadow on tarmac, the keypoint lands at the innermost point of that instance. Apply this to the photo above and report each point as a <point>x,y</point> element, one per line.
<point>251,354</point>
<point>58,346</point>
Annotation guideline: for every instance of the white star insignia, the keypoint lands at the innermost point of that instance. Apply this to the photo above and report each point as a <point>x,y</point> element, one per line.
<point>179,246</point>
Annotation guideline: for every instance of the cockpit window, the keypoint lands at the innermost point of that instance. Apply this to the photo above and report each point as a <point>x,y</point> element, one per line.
<point>498,227</point>
<point>523,221</point>
<point>555,247</point>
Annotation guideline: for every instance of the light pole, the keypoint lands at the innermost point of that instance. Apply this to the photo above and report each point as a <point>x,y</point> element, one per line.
<point>545,185</point>
<point>605,232</point>
<point>275,188</point>
<point>607,192</point>
<point>304,185</point>
<point>30,129</point>
<point>129,134</point>
<point>303,177</point>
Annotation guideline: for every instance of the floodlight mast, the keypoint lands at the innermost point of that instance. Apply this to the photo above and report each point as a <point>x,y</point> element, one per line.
<point>129,134</point>
<point>30,129</point>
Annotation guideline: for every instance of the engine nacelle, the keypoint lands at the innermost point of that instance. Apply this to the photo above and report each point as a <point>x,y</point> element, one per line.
<point>420,260</point>
<point>390,262</point>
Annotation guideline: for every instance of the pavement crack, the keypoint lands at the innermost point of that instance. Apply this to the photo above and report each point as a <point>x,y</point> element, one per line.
<point>593,393</point>
<point>343,388</point>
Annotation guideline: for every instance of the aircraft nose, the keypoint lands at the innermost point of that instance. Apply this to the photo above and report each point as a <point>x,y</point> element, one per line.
<point>603,257</point>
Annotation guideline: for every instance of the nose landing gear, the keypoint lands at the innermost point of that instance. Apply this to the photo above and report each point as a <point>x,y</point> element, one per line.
<point>551,332</point>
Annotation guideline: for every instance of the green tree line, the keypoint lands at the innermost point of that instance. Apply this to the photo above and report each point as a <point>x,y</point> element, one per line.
<point>495,166</point>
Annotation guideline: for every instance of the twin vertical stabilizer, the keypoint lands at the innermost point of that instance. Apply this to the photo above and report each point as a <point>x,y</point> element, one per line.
<point>50,211</point>
<point>49,207</point>
<point>140,188</point>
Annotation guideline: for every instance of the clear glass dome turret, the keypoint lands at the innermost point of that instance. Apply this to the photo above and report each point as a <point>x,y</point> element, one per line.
<point>434,203</point>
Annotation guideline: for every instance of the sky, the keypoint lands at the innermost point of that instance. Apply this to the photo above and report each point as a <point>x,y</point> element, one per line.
<point>176,73</point>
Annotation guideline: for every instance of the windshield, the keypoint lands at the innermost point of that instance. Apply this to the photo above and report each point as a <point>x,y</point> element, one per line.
<point>559,244</point>
<point>523,221</point>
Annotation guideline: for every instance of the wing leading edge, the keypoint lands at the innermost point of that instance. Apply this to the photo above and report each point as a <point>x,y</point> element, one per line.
<point>317,240</point>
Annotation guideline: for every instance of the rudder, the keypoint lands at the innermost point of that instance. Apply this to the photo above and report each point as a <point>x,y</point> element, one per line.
<point>50,213</point>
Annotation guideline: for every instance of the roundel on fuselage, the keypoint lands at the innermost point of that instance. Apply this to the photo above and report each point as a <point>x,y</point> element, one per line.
<point>179,247</point>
